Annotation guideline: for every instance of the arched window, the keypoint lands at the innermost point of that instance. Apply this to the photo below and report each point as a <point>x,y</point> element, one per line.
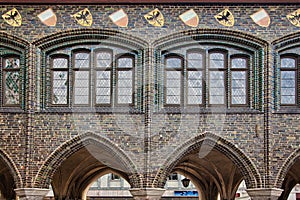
<point>206,77</point>
<point>91,77</point>
<point>288,81</point>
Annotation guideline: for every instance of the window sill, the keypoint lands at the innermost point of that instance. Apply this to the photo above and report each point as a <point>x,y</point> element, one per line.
<point>288,110</point>
<point>107,110</point>
<point>11,110</point>
<point>209,110</point>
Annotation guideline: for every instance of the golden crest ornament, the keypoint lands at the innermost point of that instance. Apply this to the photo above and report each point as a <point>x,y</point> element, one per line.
<point>155,18</point>
<point>225,18</point>
<point>84,17</point>
<point>294,18</point>
<point>13,17</point>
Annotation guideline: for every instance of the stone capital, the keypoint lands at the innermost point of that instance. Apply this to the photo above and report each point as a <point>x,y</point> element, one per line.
<point>31,193</point>
<point>147,193</point>
<point>264,193</point>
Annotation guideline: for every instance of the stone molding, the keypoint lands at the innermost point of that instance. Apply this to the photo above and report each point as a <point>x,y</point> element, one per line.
<point>264,193</point>
<point>31,193</point>
<point>147,193</point>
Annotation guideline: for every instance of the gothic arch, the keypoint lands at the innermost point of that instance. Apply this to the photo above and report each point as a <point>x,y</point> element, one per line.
<point>246,166</point>
<point>13,178</point>
<point>286,166</point>
<point>82,142</point>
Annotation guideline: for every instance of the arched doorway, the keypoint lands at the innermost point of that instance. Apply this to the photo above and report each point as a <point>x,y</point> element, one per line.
<point>9,177</point>
<point>215,166</point>
<point>79,162</point>
<point>292,178</point>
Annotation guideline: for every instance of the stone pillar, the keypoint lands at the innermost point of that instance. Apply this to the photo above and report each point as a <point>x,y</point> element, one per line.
<point>147,193</point>
<point>264,193</point>
<point>31,193</point>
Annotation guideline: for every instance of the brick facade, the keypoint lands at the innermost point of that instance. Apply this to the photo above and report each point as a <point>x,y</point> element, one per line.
<point>148,141</point>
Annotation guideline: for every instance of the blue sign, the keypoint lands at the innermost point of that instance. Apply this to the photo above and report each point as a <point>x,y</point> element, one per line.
<point>186,193</point>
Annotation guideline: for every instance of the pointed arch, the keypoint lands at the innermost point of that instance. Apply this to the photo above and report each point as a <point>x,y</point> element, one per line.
<point>80,142</point>
<point>286,166</point>
<point>246,166</point>
<point>12,178</point>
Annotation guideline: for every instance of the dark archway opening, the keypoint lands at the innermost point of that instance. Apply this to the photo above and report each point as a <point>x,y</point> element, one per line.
<point>7,184</point>
<point>291,180</point>
<point>215,176</point>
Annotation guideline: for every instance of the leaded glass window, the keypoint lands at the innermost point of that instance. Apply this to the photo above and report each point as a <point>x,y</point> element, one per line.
<point>81,90</point>
<point>288,81</point>
<point>173,83</point>
<point>217,78</point>
<point>239,81</point>
<point>60,81</point>
<point>125,80</point>
<point>195,78</point>
<point>11,81</point>
<point>103,77</point>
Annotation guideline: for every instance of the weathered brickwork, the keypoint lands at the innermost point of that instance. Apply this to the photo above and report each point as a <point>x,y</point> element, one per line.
<point>150,141</point>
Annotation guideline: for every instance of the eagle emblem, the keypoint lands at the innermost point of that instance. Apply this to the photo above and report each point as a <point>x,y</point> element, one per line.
<point>83,17</point>
<point>225,18</point>
<point>13,17</point>
<point>155,18</point>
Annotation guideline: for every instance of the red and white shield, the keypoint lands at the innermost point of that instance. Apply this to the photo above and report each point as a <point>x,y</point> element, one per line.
<point>48,17</point>
<point>119,18</point>
<point>190,18</point>
<point>261,18</point>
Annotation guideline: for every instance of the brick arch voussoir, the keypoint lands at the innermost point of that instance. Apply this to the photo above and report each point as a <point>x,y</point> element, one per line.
<point>48,169</point>
<point>13,42</point>
<point>283,171</point>
<point>89,35</point>
<point>15,173</point>
<point>228,36</point>
<point>287,41</point>
<point>246,166</point>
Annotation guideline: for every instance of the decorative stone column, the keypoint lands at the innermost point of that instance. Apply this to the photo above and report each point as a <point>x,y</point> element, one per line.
<point>147,193</point>
<point>31,193</point>
<point>264,193</point>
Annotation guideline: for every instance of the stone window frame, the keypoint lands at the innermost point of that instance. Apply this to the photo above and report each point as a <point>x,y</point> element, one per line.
<point>69,53</point>
<point>229,54</point>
